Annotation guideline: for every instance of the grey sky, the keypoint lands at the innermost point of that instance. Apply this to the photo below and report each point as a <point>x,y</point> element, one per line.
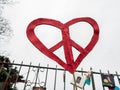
<point>104,56</point>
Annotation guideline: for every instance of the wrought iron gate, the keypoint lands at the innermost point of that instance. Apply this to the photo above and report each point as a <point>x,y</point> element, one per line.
<point>54,78</point>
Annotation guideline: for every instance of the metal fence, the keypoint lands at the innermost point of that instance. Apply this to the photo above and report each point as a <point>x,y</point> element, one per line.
<point>53,78</point>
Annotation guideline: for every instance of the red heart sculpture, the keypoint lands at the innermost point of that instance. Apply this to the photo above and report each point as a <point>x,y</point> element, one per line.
<point>66,41</point>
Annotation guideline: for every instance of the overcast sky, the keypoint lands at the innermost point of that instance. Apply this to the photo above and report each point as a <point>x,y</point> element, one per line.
<point>104,56</point>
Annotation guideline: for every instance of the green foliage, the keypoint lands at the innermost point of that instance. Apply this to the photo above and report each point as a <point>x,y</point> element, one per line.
<point>9,74</point>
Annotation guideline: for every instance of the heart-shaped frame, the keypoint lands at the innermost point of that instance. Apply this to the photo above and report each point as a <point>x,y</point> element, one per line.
<point>66,41</point>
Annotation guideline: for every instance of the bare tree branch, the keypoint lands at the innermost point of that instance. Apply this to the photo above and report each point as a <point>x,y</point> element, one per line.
<point>5,29</point>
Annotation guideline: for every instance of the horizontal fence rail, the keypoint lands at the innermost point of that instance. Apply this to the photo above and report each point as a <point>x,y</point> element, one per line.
<point>54,78</point>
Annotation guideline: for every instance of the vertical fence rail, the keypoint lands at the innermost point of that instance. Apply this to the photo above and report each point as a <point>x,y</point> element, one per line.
<point>101,80</point>
<point>27,76</point>
<point>54,78</point>
<point>64,79</point>
<point>46,76</point>
<point>118,77</point>
<point>18,75</point>
<point>37,75</point>
<point>6,81</point>
<point>82,75</point>
<point>92,78</point>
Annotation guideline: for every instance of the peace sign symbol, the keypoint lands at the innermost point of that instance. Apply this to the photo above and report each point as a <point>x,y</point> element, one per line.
<point>66,41</point>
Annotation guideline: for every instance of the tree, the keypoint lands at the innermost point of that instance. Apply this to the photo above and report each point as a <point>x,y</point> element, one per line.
<point>5,1</point>
<point>5,30</point>
<point>8,74</point>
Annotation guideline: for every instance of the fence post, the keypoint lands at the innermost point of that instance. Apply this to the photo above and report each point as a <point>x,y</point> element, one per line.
<point>64,78</point>
<point>102,81</point>
<point>2,66</point>
<point>82,75</point>
<point>18,75</point>
<point>118,77</point>
<point>37,75</point>
<point>55,78</point>
<point>46,76</point>
<point>92,78</point>
<point>27,76</point>
<point>6,81</point>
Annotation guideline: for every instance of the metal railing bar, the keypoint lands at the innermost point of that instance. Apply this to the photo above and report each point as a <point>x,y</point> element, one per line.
<point>55,78</point>
<point>102,81</point>
<point>37,75</point>
<point>118,77</point>
<point>46,76</point>
<point>52,68</point>
<point>64,79</point>
<point>92,78</point>
<point>27,76</point>
<point>6,81</point>
<point>18,74</point>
